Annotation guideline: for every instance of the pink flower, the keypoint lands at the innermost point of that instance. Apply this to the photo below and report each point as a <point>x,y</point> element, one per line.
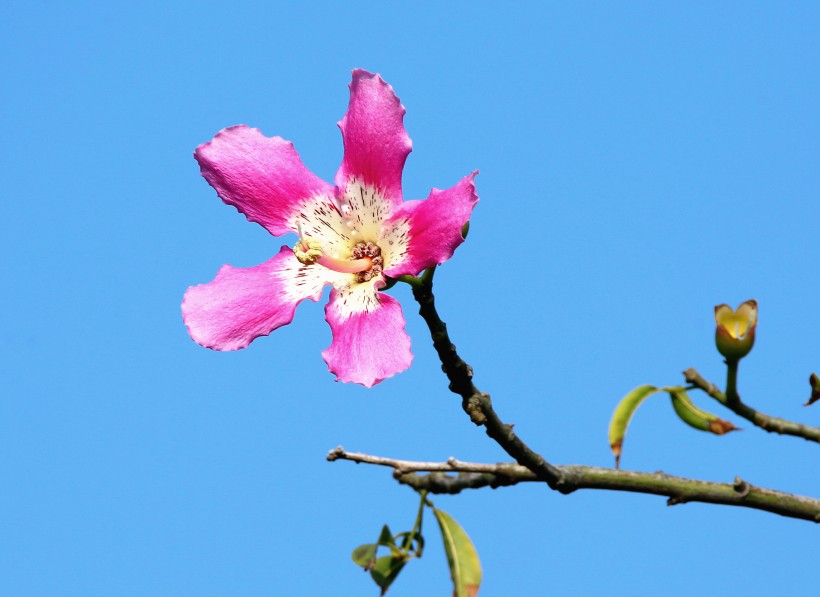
<point>351,235</point>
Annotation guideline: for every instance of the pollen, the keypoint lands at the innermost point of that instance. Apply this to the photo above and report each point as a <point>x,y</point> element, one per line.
<point>307,251</point>
<point>374,253</point>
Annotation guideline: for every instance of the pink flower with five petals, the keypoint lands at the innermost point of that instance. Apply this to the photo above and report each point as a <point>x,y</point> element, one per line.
<point>351,235</point>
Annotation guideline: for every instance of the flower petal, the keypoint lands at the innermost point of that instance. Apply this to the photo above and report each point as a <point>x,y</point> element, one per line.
<point>375,142</point>
<point>263,177</point>
<point>370,344</point>
<point>427,232</point>
<point>241,304</point>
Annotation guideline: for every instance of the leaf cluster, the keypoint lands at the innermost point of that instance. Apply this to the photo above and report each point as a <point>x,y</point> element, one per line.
<point>462,557</point>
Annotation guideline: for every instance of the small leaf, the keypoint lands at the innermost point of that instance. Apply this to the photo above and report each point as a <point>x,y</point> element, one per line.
<point>623,415</point>
<point>465,567</point>
<point>385,571</point>
<point>814,382</point>
<point>364,555</point>
<point>386,537</point>
<point>695,417</point>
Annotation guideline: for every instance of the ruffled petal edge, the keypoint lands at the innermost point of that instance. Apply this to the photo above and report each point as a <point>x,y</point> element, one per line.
<point>242,304</point>
<point>433,227</point>
<point>368,345</point>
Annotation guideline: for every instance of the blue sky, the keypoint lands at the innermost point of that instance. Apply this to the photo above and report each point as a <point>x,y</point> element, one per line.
<point>640,163</point>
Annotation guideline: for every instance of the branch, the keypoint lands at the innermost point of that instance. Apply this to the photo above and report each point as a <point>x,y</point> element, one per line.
<point>474,402</point>
<point>766,422</point>
<point>470,475</point>
<point>678,490</point>
<point>567,479</point>
<point>412,466</point>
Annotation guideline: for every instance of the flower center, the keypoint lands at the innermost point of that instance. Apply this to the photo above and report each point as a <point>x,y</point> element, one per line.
<point>371,252</point>
<point>365,260</point>
<point>735,323</point>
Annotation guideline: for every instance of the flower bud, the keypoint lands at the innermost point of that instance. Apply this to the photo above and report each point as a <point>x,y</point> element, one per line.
<point>735,331</point>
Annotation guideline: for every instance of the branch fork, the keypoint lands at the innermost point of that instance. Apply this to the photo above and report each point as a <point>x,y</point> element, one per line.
<point>454,476</point>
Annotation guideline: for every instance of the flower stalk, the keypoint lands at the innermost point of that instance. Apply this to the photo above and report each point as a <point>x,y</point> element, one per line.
<point>732,397</point>
<point>474,402</point>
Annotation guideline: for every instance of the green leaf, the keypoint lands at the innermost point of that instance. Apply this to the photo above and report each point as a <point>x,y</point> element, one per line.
<point>386,537</point>
<point>465,567</point>
<point>623,415</point>
<point>385,571</point>
<point>364,555</point>
<point>695,417</point>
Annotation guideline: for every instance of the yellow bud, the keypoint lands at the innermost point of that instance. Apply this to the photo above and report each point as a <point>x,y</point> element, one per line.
<point>735,331</point>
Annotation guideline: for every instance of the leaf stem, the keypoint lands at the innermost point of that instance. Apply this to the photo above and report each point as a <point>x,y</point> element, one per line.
<point>416,526</point>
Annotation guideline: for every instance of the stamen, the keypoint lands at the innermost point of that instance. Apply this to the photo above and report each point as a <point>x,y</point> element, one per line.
<point>374,253</point>
<point>366,261</point>
<point>307,251</point>
<point>345,266</point>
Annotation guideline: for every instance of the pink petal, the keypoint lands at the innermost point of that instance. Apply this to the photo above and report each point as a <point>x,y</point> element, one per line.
<point>435,226</point>
<point>376,144</point>
<point>368,346</point>
<point>241,304</point>
<point>263,177</point>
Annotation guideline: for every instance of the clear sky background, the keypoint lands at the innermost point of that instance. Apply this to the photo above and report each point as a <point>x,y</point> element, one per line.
<point>640,163</point>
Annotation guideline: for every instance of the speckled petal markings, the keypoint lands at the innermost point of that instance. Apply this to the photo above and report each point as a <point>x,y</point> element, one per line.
<point>369,345</point>
<point>376,144</point>
<point>433,227</point>
<point>241,304</point>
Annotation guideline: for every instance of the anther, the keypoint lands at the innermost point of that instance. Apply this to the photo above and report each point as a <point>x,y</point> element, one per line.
<point>307,251</point>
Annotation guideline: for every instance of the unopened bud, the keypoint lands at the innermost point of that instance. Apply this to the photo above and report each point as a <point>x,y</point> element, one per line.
<point>735,331</point>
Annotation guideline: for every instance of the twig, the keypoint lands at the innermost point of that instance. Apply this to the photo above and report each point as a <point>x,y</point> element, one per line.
<point>766,422</point>
<point>452,465</point>
<point>678,490</point>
